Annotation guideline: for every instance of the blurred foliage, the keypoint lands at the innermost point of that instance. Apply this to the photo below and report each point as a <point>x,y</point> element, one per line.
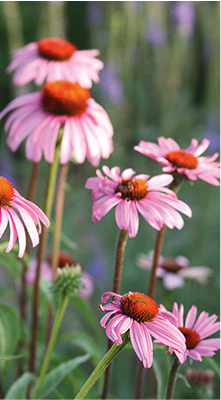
<point>160,77</point>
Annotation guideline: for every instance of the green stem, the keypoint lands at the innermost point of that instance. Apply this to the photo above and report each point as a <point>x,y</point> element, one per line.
<point>54,334</point>
<point>172,378</point>
<point>103,364</point>
<point>50,189</point>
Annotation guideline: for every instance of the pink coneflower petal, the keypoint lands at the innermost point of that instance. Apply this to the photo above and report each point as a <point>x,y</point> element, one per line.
<point>191,317</point>
<point>111,328</point>
<point>151,214</point>
<point>196,333</point>
<point>195,355</point>
<point>86,130</point>
<point>13,235</point>
<point>159,180</point>
<point>12,203</point>
<point>185,162</point>
<point>160,330</point>
<point>140,316</point>
<point>202,148</point>
<point>210,330</point>
<point>53,58</point>
<point>122,214</point>
<point>132,194</point>
<point>3,221</point>
<point>78,142</point>
<point>142,344</point>
<point>106,317</point>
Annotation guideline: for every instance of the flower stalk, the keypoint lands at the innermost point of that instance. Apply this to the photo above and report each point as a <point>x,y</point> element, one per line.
<point>59,208</point>
<point>23,293</point>
<point>121,244</point>
<point>103,364</point>
<point>172,378</point>
<point>31,197</point>
<point>50,189</point>
<point>174,186</point>
<point>59,316</point>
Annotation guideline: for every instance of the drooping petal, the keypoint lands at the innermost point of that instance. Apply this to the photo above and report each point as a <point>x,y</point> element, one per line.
<point>162,330</point>
<point>142,348</point>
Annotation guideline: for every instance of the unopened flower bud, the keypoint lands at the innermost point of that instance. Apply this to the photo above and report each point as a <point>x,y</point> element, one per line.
<point>199,378</point>
<point>68,281</point>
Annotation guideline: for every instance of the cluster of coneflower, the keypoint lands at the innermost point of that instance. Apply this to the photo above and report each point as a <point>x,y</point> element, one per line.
<point>63,122</point>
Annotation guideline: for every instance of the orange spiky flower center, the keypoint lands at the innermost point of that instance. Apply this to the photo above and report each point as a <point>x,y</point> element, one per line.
<point>6,192</point>
<point>56,49</point>
<point>132,189</point>
<point>64,98</point>
<point>182,159</point>
<point>139,307</point>
<point>192,337</point>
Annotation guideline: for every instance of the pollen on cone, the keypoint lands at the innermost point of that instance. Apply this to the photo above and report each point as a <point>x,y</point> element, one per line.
<point>132,189</point>
<point>182,159</point>
<point>56,49</point>
<point>139,307</point>
<point>64,98</point>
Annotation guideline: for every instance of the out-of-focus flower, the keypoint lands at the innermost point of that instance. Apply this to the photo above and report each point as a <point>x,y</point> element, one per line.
<point>183,13</point>
<point>46,271</point>
<point>132,194</point>
<point>95,14</point>
<point>155,34</point>
<point>173,271</point>
<point>87,130</point>
<point>111,86</point>
<point>65,259</point>
<point>140,315</point>
<point>196,332</point>
<point>12,203</point>
<point>200,378</point>
<point>212,132</point>
<point>185,162</point>
<point>53,59</point>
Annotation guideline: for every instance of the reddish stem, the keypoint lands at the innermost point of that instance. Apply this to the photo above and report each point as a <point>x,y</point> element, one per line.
<point>121,244</point>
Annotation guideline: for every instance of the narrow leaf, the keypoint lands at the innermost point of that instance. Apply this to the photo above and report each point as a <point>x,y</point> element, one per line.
<point>161,368</point>
<point>19,387</point>
<point>9,330</point>
<point>56,376</point>
<point>86,343</point>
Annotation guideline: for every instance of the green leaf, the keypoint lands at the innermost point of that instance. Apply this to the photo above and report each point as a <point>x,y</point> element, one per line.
<point>56,375</point>
<point>161,368</point>
<point>86,343</point>
<point>19,387</point>
<point>57,394</point>
<point>10,358</point>
<point>213,364</point>
<point>11,262</point>
<point>9,330</point>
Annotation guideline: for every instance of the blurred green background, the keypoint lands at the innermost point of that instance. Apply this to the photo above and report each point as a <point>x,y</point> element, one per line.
<point>160,77</point>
